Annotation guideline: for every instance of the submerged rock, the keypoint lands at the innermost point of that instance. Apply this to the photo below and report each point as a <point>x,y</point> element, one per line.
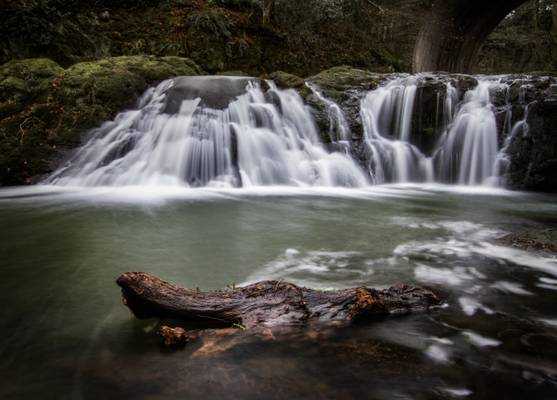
<point>544,240</point>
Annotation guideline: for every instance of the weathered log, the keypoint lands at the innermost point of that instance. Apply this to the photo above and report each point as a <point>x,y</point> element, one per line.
<point>267,304</point>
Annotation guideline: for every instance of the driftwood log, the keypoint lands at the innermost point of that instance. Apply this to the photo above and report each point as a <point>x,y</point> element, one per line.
<point>264,305</point>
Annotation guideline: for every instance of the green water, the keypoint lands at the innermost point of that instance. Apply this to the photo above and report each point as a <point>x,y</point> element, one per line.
<point>64,332</point>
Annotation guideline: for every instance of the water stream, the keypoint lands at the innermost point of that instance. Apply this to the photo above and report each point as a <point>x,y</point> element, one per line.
<point>213,181</point>
<point>66,332</point>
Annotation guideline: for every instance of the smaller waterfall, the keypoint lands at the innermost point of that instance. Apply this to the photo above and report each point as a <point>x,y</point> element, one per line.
<point>467,151</point>
<point>393,105</point>
<point>503,162</point>
<point>211,131</point>
<point>470,147</point>
<point>387,118</point>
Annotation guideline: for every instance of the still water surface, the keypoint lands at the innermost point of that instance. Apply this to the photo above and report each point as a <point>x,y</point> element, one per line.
<point>64,332</point>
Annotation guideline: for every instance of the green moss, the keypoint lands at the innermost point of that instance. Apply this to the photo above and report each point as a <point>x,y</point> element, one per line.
<point>31,68</point>
<point>286,80</point>
<point>44,108</point>
<point>13,86</point>
<point>234,73</point>
<point>338,82</point>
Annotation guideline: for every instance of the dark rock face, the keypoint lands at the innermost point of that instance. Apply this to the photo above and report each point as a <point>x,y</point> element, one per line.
<point>534,151</point>
<point>215,91</point>
<point>429,113</point>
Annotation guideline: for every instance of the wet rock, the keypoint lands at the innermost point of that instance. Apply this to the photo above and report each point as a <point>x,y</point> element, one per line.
<point>339,83</point>
<point>532,239</point>
<point>346,86</point>
<point>533,153</point>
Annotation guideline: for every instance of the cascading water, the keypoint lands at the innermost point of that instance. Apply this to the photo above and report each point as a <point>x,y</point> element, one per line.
<point>469,148</point>
<point>467,152</point>
<point>229,132</point>
<point>186,133</point>
<point>387,119</point>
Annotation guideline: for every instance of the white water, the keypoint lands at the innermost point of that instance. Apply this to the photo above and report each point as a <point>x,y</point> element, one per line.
<point>467,152</point>
<point>387,117</point>
<point>259,139</point>
<point>270,138</point>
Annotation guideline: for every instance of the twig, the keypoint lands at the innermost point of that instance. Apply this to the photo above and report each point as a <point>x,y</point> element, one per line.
<point>376,6</point>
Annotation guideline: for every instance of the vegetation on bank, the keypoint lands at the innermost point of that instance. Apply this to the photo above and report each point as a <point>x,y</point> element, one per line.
<point>219,35</point>
<point>526,40</point>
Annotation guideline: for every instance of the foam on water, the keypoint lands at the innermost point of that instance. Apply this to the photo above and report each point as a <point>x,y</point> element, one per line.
<point>481,341</point>
<point>470,306</point>
<point>511,288</point>
<point>457,392</point>
<point>312,268</point>
<point>549,322</point>
<point>438,354</point>
<point>443,276</point>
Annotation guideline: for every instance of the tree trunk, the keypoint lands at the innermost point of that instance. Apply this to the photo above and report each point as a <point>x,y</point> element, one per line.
<point>266,304</point>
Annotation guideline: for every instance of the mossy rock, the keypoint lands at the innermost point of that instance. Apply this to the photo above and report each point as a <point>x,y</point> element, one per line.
<point>338,82</point>
<point>234,73</point>
<point>31,68</point>
<point>285,80</point>
<point>28,77</point>
<point>45,108</point>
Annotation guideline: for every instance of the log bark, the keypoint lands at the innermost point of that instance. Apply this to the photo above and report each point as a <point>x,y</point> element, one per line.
<point>267,304</point>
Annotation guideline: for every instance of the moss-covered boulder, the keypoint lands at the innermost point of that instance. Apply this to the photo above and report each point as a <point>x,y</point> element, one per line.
<point>284,80</point>
<point>345,86</point>
<point>339,83</point>
<point>45,108</point>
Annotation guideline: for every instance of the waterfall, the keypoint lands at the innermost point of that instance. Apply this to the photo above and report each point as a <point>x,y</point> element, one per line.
<point>240,132</point>
<point>211,131</point>
<point>387,119</point>
<point>467,151</point>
